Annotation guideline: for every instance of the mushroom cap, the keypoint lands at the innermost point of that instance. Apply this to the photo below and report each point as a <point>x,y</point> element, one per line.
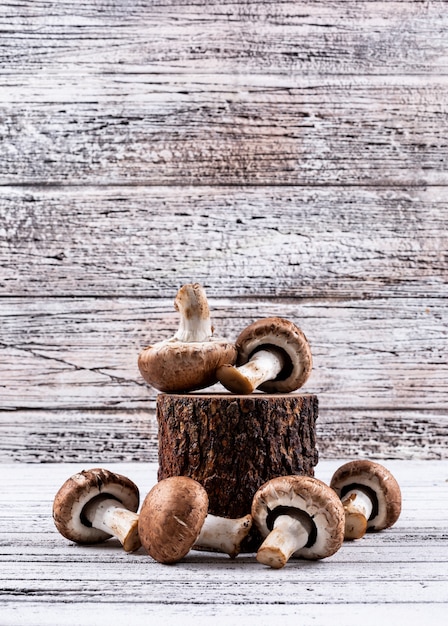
<point>171,518</point>
<point>302,495</point>
<point>80,489</point>
<point>375,480</point>
<point>173,365</point>
<point>282,334</point>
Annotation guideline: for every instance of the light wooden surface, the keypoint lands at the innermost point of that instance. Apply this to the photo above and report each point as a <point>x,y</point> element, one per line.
<point>397,576</point>
<point>290,156</point>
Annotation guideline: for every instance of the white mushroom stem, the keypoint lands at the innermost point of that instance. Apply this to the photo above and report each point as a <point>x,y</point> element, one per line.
<point>109,515</point>
<point>263,365</point>
<point>224,534</point>
<point>195,323</point>
<point>358,509</point>
<point>288,535</point>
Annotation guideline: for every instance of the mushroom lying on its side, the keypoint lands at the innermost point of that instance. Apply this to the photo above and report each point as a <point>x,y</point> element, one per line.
<point>188,361</point>
<point>299,516</point>
<point>370,495</point>
<point>273,355</point>
<point>173,520</point>
<point>97,504</point>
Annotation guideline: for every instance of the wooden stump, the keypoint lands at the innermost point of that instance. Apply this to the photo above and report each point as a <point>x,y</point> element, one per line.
<point>233,444</point>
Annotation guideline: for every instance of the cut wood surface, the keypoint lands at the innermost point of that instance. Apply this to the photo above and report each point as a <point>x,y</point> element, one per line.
<point>399,574</point>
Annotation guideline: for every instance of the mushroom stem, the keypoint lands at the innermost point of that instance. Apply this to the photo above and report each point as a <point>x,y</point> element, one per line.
<point>109,515</point>
<point>358,508</point>
<point>262,366</point>
<point>195,323</point>
<point>288,535</point>
<point>224,534</point>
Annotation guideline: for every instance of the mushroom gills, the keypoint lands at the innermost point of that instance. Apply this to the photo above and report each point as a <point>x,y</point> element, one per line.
<point>291,530</point>
<point>106,513</point>
<point>263,365</point>
<point>358,509</point>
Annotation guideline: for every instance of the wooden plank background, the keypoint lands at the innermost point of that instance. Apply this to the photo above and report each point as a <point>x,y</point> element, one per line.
<point>290,156</point>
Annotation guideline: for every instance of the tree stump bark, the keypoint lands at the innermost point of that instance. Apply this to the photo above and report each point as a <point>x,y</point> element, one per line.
<point>233,444</point>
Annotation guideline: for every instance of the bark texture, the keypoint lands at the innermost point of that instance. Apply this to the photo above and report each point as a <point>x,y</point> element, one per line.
<point>233,444</point>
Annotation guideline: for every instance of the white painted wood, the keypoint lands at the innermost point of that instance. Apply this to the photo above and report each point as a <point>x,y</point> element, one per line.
<point>240,242</point>
<point>345,131</point>
<point>288,155</point>
<point>399,572</point>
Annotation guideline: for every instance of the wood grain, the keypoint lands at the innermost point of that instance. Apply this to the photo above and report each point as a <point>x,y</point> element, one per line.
<point>289,156</point>
<point>297,242</point>
<point>111,436</point>
<point>71,387</point>
<point>289,131</point>
<point>399,572</point>
<point>351,37</point>
<point>73,353</point>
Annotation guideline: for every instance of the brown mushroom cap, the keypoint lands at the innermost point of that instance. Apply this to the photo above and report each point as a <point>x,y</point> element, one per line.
<point>286,336</point>
<point>171,518</point>
<point>173,366</point>
<point>80,489</point>
<point>375,480</point>
<point>306,496</point>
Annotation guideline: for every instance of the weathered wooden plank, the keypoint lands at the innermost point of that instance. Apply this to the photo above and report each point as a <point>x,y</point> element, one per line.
<point>301,131</point>
<point>293,242</point>
<point>349,37</point>
<point>122,436</point>
<point>219,592</point>
<point>65,353</point>
<point>395,569</point>
<point>347,613</point>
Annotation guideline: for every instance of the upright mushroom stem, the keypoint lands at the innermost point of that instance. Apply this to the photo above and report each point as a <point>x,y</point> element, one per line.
<point>358,507</point>
<point>223,534</point>
<point>262,366</point>
<point>289,534</point>
<point>188,360</point>
<point>109,515</point>
<point>194,323</point>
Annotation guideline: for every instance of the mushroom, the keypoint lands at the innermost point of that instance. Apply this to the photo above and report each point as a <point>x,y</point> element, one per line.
<point>298,516</point>
<point>273,355</point>
<point>97,504</point>
<point>370,495</point>
<point>173,519</point>
<point>188,360</point>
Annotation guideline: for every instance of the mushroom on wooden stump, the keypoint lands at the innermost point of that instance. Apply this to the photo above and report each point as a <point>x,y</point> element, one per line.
<point>97,504</point>
<point>297,515</point>
<point>370,494</point>
<point>174,519</point>
<point>273,356</point>
<point>233,444</point>
<point>188,360</point>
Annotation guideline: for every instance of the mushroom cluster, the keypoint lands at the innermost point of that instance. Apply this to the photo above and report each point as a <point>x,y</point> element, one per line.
<point>297,516</point>
<point>272,354</point>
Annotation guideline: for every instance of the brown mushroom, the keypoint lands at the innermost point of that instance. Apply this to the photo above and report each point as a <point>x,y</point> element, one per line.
<point>97,504</point>
<point>370,495</point>
<point>188,360</point>
<point>273,355</point>
<point>298,516</point>
<point>173,520</point>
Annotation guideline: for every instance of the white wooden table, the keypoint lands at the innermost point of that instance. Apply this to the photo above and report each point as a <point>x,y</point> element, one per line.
<point>397,576</point>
